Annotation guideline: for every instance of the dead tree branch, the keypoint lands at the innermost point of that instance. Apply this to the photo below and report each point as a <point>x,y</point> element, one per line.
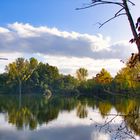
<point>107,123</point>
<point>131,2</point>
<point>118,15</point>
<point>125,11</point>
<point>120,132</point>
<point>99,2</point>
<point>102,2</point>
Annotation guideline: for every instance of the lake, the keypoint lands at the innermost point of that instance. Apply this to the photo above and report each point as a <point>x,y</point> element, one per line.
<point>65,118</point>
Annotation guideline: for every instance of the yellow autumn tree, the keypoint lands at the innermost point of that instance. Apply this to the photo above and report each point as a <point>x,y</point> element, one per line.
<point>103,77</point>
<point>129,76</point>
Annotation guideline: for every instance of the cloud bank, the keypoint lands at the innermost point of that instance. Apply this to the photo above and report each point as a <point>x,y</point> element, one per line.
<point>66,50</point>
<point>25,38</point>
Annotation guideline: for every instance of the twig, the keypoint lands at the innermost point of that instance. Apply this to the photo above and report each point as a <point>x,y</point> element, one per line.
<point>100,2</point>
<point>107,2</point>
<point>102,24</point>
<point>131,2</point>
<point>108,122</point>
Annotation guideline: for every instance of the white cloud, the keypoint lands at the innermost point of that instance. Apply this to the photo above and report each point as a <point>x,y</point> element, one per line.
<point>100,136</point>
<point>68,65</point>
<point>25,38</point>
<point>3,30</point>
<point>67,50</point>
<point>11,57</point>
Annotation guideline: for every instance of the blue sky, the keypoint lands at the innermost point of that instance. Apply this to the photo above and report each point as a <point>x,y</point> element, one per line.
<point>62,14</point>
<point>42,12</point>
<point>57,22</point>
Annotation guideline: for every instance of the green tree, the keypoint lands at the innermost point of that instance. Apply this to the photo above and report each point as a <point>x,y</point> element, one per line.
<point>66,83</point>
<point>4,86</point>
<point>21,70</point>
<point>82,74</point>
<point>45,76</point>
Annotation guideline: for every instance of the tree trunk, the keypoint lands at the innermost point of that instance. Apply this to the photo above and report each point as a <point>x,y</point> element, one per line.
<point>132,25</point>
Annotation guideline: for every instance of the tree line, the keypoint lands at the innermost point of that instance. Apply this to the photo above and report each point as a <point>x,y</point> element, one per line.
<point>30,76</point>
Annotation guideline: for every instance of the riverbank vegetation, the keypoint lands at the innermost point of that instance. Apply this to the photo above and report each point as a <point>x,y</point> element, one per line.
<point>31,76</point>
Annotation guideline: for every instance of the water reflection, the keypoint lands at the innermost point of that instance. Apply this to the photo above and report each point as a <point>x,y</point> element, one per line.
<point>68,118</point>
<point>81,110</point>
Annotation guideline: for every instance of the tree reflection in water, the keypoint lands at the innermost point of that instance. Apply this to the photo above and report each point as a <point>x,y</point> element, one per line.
<point>81,110</point>
<point>128,110</point>
<point>36,110</point>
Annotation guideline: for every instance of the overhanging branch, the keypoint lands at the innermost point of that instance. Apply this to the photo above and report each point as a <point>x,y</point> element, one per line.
<point>102,24</point>
<point>124,6</point>
<point>119,11</point>
<point>131,2</point>
<point>100,2</point>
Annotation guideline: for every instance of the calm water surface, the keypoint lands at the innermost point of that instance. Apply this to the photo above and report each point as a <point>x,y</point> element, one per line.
<point>68,119</point>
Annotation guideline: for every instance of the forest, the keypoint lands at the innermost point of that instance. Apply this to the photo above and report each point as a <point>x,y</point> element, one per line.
<point>33,77</point>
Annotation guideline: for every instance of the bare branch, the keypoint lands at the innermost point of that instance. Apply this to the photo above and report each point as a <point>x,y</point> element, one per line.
<point>107,2</point>
<point>116,15</point>
<point>124,6</point>
<point>85,7</point>
<point>119,11</point>
<point>3,59</point>
<point>99,2</point>
<point>102,24</point>
<point>131,2</point>
<point>108,122</point>
<point>120,132</point>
